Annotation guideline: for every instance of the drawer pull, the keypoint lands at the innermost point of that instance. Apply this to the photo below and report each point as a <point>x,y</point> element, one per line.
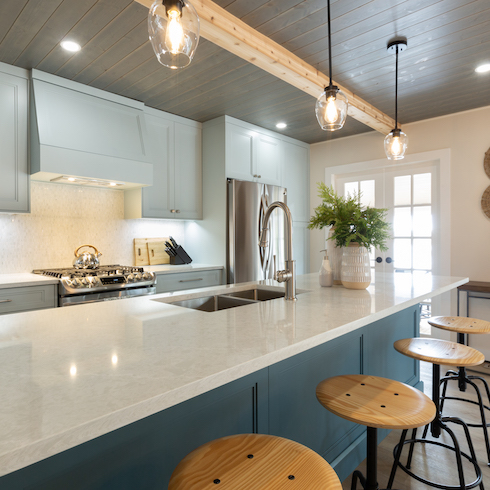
<point>191,280</point>
<point>5,301</point>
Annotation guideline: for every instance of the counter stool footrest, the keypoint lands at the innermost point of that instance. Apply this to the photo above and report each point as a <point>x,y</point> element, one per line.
<point>473,484</point>
<point>453,376</point>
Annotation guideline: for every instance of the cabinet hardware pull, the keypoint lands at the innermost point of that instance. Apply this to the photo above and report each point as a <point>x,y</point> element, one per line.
<point>177,210</point>
<point>191,280</point>
<point>172,210</point>
<point>259,176</point>
<point>5,301</point>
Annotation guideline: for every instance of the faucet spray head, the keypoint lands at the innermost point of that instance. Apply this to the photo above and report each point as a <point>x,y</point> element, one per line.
<point>263,238</point>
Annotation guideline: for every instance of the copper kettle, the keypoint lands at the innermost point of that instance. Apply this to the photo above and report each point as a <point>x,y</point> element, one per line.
<point>86,260</point>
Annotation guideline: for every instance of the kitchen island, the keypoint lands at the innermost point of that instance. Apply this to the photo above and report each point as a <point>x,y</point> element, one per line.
<point>114,394</point>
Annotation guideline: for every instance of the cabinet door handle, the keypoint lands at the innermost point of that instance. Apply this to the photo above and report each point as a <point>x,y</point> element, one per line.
<point>5,301</point>
<point>191,280</point>
<point>173,211</point>
<point>177,210</point>
<point>259,176</point>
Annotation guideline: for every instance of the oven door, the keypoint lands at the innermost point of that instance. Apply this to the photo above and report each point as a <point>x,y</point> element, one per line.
<point>79,299</point>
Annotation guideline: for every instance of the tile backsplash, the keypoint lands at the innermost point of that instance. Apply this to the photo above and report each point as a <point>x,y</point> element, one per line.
<point>63,217</point>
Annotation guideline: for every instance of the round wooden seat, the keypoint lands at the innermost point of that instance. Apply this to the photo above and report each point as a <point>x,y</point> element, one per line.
<point>439,351</point>
<point>376,402</point>
<point>460,324</point>
<point>253,461</point>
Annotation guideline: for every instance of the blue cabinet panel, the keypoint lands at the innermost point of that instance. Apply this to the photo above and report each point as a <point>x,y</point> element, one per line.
<point>143,455</point>
<point>294,411</point>
<point>380,358</point>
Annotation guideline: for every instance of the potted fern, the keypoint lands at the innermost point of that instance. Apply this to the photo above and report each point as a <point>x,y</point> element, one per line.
<point>354,230</point>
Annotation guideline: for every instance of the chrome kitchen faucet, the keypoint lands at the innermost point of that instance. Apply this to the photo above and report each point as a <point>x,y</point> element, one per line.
<point>289,274</point>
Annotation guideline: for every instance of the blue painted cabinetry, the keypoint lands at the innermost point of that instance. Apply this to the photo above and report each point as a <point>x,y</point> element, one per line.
<point>278,400</point>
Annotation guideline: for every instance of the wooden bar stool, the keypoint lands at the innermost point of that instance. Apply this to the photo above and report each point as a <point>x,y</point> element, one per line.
<point>376,403</point>
<point>464,326</point>
<point>440,352</point>
<point>253,462</point>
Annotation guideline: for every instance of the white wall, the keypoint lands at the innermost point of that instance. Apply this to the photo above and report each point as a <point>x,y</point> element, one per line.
<point>63,217</point>
<point>467,135</point>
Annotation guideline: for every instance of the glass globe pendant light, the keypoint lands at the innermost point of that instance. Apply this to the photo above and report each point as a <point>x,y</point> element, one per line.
<point>331,106</point>
<point>396,142</point>
<point>173,27</point>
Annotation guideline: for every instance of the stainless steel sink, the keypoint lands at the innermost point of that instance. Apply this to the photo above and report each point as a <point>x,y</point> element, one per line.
<point>224,301</point>
<point>258,294</point>
<point>213,303</point>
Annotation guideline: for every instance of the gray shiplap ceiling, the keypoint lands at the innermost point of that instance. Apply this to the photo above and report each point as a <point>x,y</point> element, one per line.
<point>447,39</point>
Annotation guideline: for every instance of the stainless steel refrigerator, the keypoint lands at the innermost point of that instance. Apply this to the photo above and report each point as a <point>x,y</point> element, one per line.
<point>247,204</point>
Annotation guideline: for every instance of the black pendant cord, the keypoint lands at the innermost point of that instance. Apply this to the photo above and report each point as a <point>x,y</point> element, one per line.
<point>396,90</point>
<point>329,45</point>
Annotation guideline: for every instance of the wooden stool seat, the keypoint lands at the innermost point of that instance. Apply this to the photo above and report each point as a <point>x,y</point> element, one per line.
<point>460,324</point>
<point>439,351</point>
<point>255,462</point>
<point>376,402</point>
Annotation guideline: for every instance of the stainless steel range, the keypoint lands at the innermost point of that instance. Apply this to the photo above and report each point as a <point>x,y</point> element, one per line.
<point>106,282</point>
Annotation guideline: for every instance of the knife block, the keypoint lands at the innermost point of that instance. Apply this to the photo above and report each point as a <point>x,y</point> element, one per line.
<point>181,257</point>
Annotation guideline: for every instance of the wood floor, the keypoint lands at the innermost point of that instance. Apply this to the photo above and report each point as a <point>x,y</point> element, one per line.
<point>431,462</point>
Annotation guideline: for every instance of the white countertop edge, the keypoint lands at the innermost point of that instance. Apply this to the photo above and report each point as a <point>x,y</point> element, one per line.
<point>25,279</point>
<point>24,456</point>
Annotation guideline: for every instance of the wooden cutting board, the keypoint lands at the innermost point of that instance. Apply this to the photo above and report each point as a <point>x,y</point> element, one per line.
<point>156,252</point>
<point>142,255</point>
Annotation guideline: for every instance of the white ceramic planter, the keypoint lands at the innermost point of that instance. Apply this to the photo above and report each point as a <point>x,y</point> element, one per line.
<point>356,270</point>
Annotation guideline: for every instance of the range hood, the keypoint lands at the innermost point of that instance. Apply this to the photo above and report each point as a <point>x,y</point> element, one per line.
<point>86,136</point>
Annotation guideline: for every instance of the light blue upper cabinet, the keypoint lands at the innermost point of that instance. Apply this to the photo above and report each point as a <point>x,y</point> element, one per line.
<point>14,181</point>
<point>158,199</point>
<point>175,147</point>
<point>239,153</point>
<point>296,179</point>
<point>251,153</point>
<point>188,171</point>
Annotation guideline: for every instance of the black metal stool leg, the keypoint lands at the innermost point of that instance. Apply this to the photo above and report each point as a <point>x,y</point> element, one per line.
<point>410,452</point>
<point>397,456</point>
<point>370,482</point>
<point>372,459</point>
<point>457,420</point>
<point>459,460</point>
<point>357,475</point>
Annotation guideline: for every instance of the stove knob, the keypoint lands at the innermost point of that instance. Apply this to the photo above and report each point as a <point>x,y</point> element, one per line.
<point>85,281</point>
<point>147,276</point>
<point>76,282</point>
<point>130,278</point>
<point>138,276</point>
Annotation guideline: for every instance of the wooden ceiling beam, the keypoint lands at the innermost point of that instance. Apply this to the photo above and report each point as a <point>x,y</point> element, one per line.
<point>230,33</point>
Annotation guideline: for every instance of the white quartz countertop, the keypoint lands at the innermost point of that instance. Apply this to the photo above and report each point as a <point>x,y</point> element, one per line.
<point>24,279</point>
<point>69,375</point>
<point>29,279</point>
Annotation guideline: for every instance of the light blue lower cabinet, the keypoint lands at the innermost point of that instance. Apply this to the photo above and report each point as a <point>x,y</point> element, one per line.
<point>279,400</point>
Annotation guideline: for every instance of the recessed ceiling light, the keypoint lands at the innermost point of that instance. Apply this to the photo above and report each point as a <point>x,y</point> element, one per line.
<point>281,125</point>
<point>70,46</point>
<point>483,68</point>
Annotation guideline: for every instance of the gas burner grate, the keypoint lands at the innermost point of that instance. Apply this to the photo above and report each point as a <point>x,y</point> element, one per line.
<point>103,270</point>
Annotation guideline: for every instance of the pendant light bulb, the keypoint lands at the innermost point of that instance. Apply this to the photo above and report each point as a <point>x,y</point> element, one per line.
<point>396,142</point>
<point>174,37</point>
<point>331,109</point>
<point>331,113</point>
<point>173,28</point>
<point>331,106</point>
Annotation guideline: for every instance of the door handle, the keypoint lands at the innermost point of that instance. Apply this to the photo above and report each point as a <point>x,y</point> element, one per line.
<point>5,301</point>
<point>191,280</point>
<point>389,260</point>
<point>379,260</point>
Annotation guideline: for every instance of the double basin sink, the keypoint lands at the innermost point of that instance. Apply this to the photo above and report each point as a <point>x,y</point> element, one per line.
<point>224,301</point>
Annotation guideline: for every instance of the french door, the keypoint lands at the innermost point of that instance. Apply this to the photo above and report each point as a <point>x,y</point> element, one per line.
<point>410,193</point>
